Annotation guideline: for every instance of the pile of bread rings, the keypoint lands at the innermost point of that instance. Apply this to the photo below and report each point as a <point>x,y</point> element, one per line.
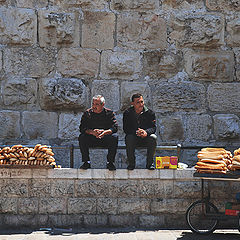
<point>41,155</point>
<point>235,165</point>
<point>213,160</point>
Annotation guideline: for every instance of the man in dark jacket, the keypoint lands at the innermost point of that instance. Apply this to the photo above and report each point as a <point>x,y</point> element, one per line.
<point>98,127</point>
<point>139,125</point>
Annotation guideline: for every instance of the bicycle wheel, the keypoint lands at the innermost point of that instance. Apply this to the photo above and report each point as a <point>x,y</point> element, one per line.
<point>197,219</point>
<point>239,223</point>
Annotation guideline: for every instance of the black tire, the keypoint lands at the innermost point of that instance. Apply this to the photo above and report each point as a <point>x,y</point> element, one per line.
<point>198,221</point>
<point>239,223</point>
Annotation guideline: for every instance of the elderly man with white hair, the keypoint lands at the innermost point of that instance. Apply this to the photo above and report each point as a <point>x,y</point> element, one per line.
<point>98,129</point>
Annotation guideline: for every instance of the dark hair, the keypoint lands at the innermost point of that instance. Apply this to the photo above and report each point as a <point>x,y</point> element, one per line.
<point>136,95</point>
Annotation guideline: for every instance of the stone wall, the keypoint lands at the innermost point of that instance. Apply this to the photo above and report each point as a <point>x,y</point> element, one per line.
<point>77,198</point>
<point>184,56</point>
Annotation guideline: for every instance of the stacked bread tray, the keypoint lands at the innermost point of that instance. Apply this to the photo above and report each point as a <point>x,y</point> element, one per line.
<point>235,165</point>
<point>213,160</point>
<point>41,156</point>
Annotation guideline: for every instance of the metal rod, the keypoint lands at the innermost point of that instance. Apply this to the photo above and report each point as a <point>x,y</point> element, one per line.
<point>71,155</point>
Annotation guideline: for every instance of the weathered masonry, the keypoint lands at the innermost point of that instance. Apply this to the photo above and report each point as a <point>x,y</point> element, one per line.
<point>77,198</point>
<point>184,56</point>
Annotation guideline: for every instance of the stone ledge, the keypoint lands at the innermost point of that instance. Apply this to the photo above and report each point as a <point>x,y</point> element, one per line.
<point>73,173</point>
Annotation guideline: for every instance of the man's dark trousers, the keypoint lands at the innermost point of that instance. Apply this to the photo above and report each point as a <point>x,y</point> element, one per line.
<point>108,141</point>
<point>132,141</point>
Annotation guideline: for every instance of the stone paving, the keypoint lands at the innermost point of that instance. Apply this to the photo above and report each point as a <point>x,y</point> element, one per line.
<point>115,234</point>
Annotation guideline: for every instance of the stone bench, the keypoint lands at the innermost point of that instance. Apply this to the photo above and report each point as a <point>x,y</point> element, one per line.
<point>172,148</point>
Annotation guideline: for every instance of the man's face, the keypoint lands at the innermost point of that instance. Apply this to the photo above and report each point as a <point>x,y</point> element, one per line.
<point>97,106</point>
<point>138,104</point>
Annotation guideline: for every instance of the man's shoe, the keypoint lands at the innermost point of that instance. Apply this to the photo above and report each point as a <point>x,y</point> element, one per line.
<point>150,167</point>
<point>130,167</point>
<point>85,166</point>
<point>111,166</point>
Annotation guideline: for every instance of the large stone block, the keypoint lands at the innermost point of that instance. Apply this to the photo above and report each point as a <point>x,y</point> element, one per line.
<point>197,30</point>
<point>9,124</point>
<point>20,93</point>
<point>233,29</point>
<point>18,26</point>
<point>82,205</point>
<point>161,64</point>
<point>83,4</point>
<point>152,221</point>
<point>141,31</point>
<point>28,206</point>
<point>91,188</point>
<point>223,5</point>
<point>69,125</point>
<point>182,4</point>
<point>110,91</point>
<point>175,96</point>
<point>226,126</point>
<point>146,189</point>
<point>210,66</point>
<point>198,127</point>
<point>95,220</point>
<point>237,64</point>
<point>40,124</point>
<point>8,205</point>
<point>14,188</point>
<point>52,205</point>
<point>134,4</point>
<point>77,62</point>
<point>95,34</point>
<point>39,188</point>
<point>187,189</point>
<point>120,65</point>
<point>32,3</point>
<point>58,28</point>
<point>120,132</point>
<point>130,88</point>
<point>1,63</point>
<point>62,188</point>
<point>170,128</point>
<point>107,206</point>
<point>63,93</point>
<point>123,220</point>
<point>164,189</point>
<point>123,189</point>
<point>133,206</point>
<point>224,97</point>
<point>29,61</point>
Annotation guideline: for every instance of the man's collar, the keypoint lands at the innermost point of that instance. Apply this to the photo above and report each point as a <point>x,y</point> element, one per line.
<point>145,109</point>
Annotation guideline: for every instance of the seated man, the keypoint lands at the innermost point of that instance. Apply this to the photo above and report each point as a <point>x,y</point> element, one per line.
<point>139,125</point>
<point>98,125</point>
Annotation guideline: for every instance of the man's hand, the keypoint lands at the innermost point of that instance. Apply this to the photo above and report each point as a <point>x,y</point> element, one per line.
<point>105,132</point>
<point>99,133</point>
<point>141,133</point>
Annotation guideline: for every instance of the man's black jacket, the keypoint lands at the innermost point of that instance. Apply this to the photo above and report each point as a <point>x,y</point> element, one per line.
<point>132,121</point>
<point>104,120</point>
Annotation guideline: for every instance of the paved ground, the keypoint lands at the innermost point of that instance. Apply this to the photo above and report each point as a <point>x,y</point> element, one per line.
<point>115,234</point>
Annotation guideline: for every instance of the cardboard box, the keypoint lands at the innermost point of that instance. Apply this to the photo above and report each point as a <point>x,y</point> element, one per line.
<point>169,162</point>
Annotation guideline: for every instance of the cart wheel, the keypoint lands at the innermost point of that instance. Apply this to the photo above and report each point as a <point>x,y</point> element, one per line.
<point>239,223</point>
<point>197,219</point>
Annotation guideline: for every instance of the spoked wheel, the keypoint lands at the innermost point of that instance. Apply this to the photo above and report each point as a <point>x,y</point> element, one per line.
<point>199,218</point>
<point>239,223</point>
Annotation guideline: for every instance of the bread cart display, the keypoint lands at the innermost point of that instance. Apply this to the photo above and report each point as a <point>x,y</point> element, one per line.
<point>214,164</point>
<point>18,156</point>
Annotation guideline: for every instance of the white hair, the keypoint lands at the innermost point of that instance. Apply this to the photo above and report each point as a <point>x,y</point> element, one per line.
<point>102,99</point>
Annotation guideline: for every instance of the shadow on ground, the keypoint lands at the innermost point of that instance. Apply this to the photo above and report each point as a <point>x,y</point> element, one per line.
<point>231,234</point>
